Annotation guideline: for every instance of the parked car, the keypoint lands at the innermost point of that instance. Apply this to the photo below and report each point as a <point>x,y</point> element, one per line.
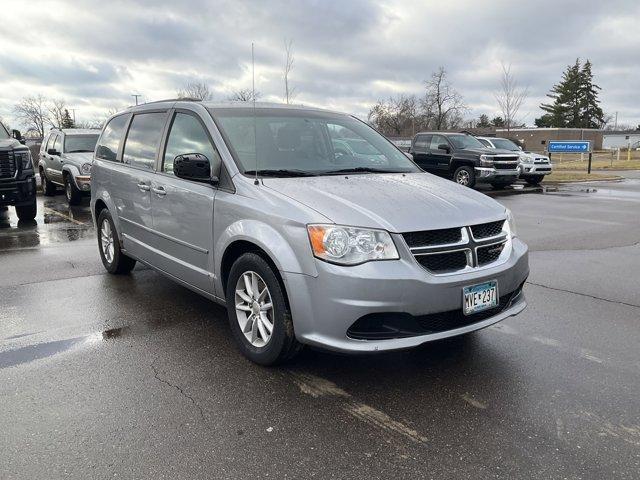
<point>255,209</point>
<point>533,166</point>
<point>65,161</point>
<point>464,159</point>
<point>17,180</point>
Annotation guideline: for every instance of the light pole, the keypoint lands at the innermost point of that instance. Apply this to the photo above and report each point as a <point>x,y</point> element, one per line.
<point>136,95</point>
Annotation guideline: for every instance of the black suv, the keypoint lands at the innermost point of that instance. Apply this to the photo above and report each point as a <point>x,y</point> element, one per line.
<point>464,159</point>
<point>17,180</point>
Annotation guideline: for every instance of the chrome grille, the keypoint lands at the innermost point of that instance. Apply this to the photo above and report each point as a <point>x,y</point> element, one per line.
<point>7,164</point>
<point>506,162</point>
<point>455,250</point>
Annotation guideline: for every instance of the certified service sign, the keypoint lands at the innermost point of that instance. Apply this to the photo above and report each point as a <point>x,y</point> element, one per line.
<point>577,146</point>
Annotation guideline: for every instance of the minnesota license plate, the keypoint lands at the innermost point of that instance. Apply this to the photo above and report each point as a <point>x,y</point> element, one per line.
<point>477,298</point>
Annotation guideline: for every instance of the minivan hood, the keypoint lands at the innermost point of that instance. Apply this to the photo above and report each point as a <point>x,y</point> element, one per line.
<point>394,202</point>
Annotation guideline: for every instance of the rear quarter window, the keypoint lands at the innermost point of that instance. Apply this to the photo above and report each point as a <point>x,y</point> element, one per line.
<point>109,142</point>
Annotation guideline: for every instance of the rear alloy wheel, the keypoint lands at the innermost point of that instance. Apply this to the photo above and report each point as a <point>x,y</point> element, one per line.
<point>259,316</point>
<point>465,176</point>
<point>113,259</point>
<point>48,188</point>
<point>74,196</point>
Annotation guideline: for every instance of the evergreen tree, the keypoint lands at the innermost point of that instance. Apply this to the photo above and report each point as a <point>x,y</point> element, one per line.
<point>497,122</point>
<point>67,121</point>
<point>483,122</point>
<point>592,115</point>
<point>575,100</point>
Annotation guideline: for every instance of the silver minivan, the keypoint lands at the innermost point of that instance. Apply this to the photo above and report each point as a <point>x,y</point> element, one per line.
<point>262,209</point>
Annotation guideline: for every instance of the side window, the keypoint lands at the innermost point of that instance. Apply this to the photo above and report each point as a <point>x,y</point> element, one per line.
<point>57,144</point>
<point>437,140</point>
<point>187,135</point>
<point>143,139</point>
<point>50,141</point>
<point>109,142</point>
<point>422,141</point>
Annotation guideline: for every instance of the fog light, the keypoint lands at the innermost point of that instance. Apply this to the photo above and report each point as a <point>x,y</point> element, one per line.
<point>528,169</point>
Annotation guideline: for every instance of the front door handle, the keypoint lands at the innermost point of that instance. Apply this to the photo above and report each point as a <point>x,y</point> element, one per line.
<point>144,187</point>
<point>160,191</point>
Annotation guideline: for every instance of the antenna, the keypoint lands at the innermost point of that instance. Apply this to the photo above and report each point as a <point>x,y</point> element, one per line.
<point>253,98</point>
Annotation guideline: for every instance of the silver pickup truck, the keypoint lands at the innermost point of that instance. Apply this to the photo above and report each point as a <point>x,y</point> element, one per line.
<point>258,208</point>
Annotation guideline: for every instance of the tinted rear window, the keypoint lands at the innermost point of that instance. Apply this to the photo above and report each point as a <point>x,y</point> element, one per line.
<point>143,139</point>
<point>110,140</point>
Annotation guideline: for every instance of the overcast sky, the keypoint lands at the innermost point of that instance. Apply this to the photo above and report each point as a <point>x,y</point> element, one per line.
<point>348,53</point>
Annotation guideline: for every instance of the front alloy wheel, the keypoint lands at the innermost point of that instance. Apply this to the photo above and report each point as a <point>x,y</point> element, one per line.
<point>254,309</point>
<point>106,237</point>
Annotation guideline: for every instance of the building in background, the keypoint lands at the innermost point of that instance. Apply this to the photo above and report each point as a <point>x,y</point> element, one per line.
<point>537,139</point>
<point>613,140</point>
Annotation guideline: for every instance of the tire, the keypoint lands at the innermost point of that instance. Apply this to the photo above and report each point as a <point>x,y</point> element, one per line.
<point>465,176</point>
<point>74,196</point>
<point>48,188</point>
<point>270,349</point>
<point>534,180</point>
<point>27,213</point>
<point>113,259</point>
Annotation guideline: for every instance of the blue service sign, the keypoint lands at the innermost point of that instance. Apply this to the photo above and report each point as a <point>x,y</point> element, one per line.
<point>576,146</point>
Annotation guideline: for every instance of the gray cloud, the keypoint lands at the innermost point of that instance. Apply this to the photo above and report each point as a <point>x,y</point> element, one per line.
<point>348,54</point>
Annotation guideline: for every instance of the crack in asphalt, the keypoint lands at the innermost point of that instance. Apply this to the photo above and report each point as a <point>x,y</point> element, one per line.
<point>182,392</point>
<point>584,295</point>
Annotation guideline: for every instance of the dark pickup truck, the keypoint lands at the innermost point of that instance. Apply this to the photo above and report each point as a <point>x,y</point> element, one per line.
<point>464,159</point>
<point>17,180</point>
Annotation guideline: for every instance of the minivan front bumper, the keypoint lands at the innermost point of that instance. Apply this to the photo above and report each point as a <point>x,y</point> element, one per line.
<point>324,307</point>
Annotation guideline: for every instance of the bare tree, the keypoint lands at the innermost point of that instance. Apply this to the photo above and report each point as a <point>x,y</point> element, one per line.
<point>397,116</point>
<point>32,113</point>
<point>442,102</point>
<point>244,95</point>
<point>289,92</point>
<point>197,90</point>
<point>56,117</point>
<point>510,96</point>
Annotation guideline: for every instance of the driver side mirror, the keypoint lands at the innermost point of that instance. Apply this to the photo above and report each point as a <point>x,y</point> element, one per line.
<point>53,151</point>
<point>195,167</point>
<point>444,146</point>
<point>17,135</point>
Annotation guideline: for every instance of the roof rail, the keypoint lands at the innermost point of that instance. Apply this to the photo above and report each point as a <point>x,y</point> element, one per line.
<point>186,99</point>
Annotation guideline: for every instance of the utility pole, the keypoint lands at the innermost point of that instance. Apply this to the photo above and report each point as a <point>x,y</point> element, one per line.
<point>136,95</point>
<point>615,125</point>
<point>73,110</point>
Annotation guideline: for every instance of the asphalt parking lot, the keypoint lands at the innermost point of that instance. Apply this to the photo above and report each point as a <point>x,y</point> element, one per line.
<point>137,377</point>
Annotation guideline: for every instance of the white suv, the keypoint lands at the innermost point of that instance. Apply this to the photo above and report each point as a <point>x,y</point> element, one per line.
<point>533,166</point>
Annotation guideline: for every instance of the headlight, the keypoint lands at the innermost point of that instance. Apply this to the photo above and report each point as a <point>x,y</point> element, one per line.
<point>86,168</point>
<point>350,245</point>
<point>25,159</point>
<point>511,224</point>
<point>486,160</point>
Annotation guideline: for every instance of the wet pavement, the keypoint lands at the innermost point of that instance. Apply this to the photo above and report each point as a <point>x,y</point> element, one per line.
<point>137,377</point>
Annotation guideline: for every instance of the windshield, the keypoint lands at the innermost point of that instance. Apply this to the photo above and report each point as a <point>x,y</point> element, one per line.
<point>4,133</point>
<point>465,141</point>
<point>80,143</point>
<point>505,144</point>
<point>302,142</point>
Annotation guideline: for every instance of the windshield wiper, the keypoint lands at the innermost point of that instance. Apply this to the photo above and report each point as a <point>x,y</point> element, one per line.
<point>282,172</point>
<point>80,151</point>
<point>360,170</point>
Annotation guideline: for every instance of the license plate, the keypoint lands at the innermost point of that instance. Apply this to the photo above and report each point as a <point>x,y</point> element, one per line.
<point>477,298</point>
